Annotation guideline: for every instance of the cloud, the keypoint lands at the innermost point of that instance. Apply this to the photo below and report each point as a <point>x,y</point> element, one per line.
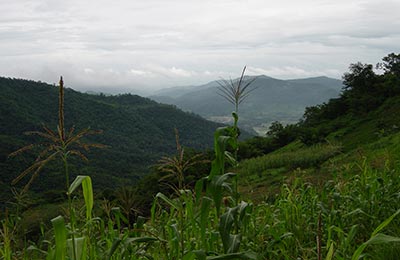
<point>287,72</point>
<point>181,72</point>
<point>141,72</point>
<point>88,70</point>
<point>157,43</point>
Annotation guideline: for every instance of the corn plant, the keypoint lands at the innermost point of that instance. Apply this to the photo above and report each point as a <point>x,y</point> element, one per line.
<point>58,144</point>
<point>176,166</point>
<point>205,225</point>
<point>333,220</point>
<point>235,92</point>
<point>377,237</point>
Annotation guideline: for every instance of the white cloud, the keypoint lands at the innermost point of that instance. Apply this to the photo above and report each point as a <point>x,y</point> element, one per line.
<point>140,72</point>
<point>158,43</point>
<point>88,70</point>
<point>181,72</point>
<point>287,72</point>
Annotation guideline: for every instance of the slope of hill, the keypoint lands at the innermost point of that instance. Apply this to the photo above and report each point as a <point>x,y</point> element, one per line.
<point>137,130</point>
<point>372,138</point>
<point>336,138</point>
<point>272,100</point>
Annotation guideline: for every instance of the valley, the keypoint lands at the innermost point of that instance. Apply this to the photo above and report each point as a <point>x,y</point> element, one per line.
<point>271,100</point>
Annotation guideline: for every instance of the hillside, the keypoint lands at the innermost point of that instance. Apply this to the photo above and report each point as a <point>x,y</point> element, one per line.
<point>373,138</point>
<point>272,100</point>
<point>137,130</point>
<point>361,126</point>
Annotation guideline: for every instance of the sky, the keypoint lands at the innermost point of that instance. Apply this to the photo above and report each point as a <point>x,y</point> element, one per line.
<point>140,46</point>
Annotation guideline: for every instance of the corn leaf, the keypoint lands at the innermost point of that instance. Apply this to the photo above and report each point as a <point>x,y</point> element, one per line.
<point>87,189</point>
<point>80,248</point>
<point>242,255</point>
<point>60,233</point>
<point>381,238</point>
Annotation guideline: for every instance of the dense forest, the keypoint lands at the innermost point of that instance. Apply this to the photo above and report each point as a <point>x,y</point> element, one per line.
<point>137,132</point>
<point>324,188</point>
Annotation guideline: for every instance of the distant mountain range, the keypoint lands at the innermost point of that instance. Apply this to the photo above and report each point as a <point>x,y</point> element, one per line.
<point>272,100</point>
<point>137,130</point>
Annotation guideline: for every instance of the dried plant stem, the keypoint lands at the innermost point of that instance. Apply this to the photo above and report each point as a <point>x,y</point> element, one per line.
<point>64,156</point>
<point>61,110</point>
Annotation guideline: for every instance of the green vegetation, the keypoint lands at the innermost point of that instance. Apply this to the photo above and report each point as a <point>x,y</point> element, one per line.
<point>331,193</point>
<point>136,130</point>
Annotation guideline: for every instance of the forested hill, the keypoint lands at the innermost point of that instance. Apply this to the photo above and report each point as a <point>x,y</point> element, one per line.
<point>137,130</point>
<point>368,108</point>
<point>272,99</point>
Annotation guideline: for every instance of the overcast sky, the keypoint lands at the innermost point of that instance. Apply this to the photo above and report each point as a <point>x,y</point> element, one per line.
<point>148,44</point>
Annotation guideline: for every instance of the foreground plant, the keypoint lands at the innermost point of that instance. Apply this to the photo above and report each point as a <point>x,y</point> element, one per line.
<point>197,222</point>
<point>235,92</point>
<point>58,145</point>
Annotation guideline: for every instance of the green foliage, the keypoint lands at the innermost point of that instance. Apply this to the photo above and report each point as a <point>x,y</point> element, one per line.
<point>363,93</point>
<point>7,233</point>
<point>87,189</point>
<point>138,130</point>
<point>349,211</point>
<point>377,238</point>
<point>391,64</point>
<point>278,136</point>
<point>60,237</point>
<point>305,157</point>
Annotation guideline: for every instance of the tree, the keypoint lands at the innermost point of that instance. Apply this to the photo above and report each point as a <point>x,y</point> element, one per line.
<point>391,64</point>
<point>275,129</point>
<point>282,135</point>
<point>362,91</point>
<point>360,78</point>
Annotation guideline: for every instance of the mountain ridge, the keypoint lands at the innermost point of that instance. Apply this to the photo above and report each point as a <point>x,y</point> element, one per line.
<point>272,100</point>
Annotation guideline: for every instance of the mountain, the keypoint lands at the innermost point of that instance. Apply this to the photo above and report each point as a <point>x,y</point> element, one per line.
<point>175,92</point>
<point>271,100</point>
<point>137,130</point>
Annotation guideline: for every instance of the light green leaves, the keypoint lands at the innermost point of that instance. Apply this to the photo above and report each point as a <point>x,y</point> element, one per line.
<point>87,192</point>
<point>377,238</point>
<point>60,235</point>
